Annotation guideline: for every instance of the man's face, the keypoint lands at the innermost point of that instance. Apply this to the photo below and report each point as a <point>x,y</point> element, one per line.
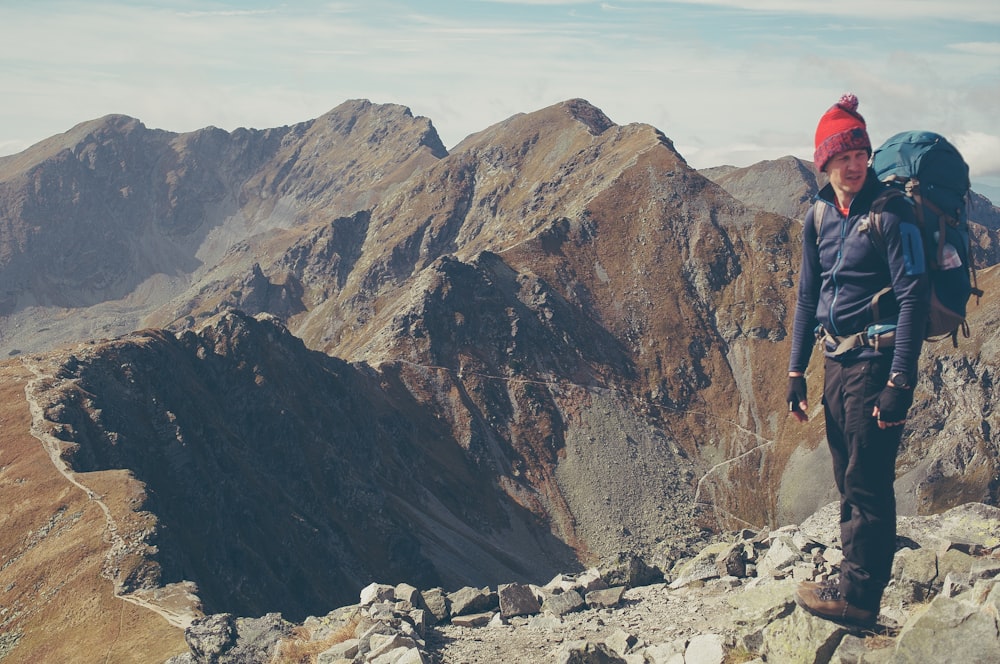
<point>847,171</point>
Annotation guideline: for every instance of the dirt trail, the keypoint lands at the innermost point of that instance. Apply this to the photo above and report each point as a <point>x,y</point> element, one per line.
<point>179,617</point>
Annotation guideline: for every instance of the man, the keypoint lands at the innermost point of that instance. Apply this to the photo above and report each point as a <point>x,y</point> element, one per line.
<point>868,381</point>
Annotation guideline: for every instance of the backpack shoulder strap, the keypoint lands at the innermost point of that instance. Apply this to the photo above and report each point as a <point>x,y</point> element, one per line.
<point>879,205</point>
<point>819,211</point>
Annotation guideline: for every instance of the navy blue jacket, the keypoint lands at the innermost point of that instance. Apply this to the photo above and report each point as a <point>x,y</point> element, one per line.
<point>843,271</point>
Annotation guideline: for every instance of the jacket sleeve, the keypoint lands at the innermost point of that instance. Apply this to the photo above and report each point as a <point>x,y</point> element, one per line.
<point>910,285</point>
<point>803,329</point>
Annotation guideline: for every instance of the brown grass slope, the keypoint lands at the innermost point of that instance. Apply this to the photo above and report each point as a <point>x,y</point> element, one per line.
<point>556,343</point>
<point>56,590</point>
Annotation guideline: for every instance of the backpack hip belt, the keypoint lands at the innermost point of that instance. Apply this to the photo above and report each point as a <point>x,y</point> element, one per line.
<point>876,336</point>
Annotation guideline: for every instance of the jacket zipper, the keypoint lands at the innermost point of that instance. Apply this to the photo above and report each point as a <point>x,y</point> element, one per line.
<point>836,268</point>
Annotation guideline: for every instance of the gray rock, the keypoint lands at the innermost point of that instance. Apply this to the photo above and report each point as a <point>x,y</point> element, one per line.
<point>630,570</point>
<point>955,564</point>
<point>699,568</point>
<point>914,573</point>
<point>950,630</point>
<point>855,650</point>
<point>385,643</point>
<point>801,638</point>
<point>373,632</point>
<point>586,652</point>
<point>407,593</point>
<point>211,636</point>
<point>472,600</point>
<point>665,653</point>
<point>437,603</point>
<point>605,599</point>
<point>589,581</point>
<point>420,619</point>
<point>560,605</point>
<point>472,619</point>
<point>376,592</point>
<point>343,650</point>
<point>621,641</point>
<point>732,561</point>
<point>517,600</point>
<point>782,554</point>
<point>705,649</point>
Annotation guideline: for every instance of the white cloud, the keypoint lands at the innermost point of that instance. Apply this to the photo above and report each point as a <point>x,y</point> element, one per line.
<point>742,97</point>
<point>985,11</point>
<point>981,151</point>
<point>990,49</point>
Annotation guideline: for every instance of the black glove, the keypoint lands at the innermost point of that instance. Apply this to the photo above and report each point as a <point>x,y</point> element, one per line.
<point>796,392</point>
<point>893,403</point>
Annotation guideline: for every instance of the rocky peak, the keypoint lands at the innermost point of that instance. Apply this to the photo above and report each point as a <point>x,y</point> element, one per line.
<point>591,116</point>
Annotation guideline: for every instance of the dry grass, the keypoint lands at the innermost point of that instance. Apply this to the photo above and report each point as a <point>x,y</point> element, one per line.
<point>298,649</point>
<point>54,543</point>
<point>739,655</point>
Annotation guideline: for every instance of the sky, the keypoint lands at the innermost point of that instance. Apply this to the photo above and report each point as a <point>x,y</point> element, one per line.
<point>728,81</point>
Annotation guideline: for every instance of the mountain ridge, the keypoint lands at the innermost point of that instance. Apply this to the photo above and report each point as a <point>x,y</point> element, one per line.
<point>553,344</point>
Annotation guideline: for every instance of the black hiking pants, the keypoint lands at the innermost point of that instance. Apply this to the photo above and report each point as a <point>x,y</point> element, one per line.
<point>864,467</point>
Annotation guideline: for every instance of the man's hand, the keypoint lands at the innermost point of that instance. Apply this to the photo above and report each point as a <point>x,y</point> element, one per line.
<point>890,409</point>
<point>798,402</point>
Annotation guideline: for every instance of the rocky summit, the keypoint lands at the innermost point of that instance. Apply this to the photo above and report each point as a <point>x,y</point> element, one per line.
<point>250,374</point>
<point>729,602</point>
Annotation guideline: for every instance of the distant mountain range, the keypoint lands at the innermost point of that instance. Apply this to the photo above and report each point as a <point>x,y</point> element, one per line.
<point>292,361</point>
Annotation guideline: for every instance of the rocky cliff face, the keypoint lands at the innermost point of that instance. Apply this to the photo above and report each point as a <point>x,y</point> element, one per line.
<point>368,358</point>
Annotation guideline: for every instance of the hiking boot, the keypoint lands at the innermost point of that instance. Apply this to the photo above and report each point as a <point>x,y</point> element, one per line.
<point>825,601</point>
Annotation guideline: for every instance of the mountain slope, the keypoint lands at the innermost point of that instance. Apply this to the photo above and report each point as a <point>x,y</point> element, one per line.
<point>368,358</point>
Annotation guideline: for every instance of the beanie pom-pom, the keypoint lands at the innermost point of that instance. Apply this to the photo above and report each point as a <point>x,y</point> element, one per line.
<point>848,102</point>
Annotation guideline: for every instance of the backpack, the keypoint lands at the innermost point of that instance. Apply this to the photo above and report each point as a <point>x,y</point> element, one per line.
<point>927,171</point>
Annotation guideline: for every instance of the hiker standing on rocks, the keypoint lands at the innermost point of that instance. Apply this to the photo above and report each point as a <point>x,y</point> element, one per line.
<point>868,378</point>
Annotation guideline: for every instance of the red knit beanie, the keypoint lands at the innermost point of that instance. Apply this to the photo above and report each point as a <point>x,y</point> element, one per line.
<point>840,129</point>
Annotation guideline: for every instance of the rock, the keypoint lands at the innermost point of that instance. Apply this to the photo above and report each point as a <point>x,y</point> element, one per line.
<point>855,650</point>
<point>950,630</point>
<point>665,653</point>
<point>705,649</point>
<point>953,563</point>
<point>585,652</point>
<point>560,605</point>
<point>699,568</point>
<point>590,581</point>
<point>782,554</point>
<point>560,583</point>
<point>732,561</point>
<point>472,619</point>
<point>605,599</point>
<point>630,570</point>
<point>472,600</point>
<point>211,636</point>
<point>801,638</point>
<point>517,600</point>
<point>398,656</point>
<point>420,619</point>
<point>621,641</point>
<point>913,575</point>
<point>407,593</point>
<point>376,592</point>
<point>437,603</point>
<point>385,643</point>
<point>343,650</point>
<point>370,632</point>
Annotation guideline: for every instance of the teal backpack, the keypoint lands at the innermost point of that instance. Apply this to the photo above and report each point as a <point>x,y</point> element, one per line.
<point>931,174</point>
<point>925,170</point>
